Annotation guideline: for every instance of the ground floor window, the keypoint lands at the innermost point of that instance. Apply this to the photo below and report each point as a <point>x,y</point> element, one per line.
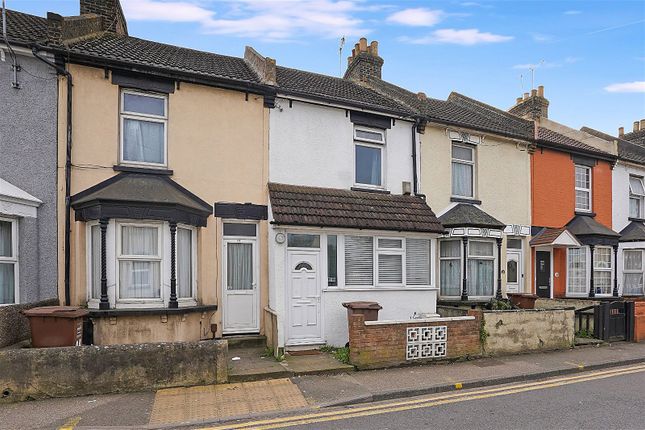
<point>450,267</point>
<point>602,270</point>
<point>480,267</point>
<point>577,271</point>
<point>633,272</point>
<point>139,252</point>
<point>8,261</point>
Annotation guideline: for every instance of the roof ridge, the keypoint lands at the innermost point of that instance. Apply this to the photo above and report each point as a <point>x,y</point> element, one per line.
<point>488,107</point>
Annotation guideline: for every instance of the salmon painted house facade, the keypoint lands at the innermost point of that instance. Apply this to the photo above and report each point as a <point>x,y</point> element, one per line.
<point>573,246</point>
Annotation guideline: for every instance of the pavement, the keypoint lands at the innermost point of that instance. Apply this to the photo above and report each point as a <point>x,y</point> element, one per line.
<point>172,408</point>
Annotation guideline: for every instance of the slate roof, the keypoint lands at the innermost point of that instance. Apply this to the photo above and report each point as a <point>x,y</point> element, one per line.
<point>553,138</point>
<point>546,236</point>
<point>584,225</point>
<point>626,150</point>
<point>330,207</point>
<point>24,29</point>
<point>634,232</point>
<point>458,110</point>
<point>637,137</point>
<point>467,215</point>
<point>141,188</point>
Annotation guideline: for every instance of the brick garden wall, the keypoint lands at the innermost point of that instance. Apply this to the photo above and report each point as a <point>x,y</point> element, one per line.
<point>639,321</point>
<point>384,343</point>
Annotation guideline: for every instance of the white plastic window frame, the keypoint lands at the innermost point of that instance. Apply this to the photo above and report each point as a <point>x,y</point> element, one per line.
<point>639,197</point>
<point>609,269</point>
<point>588,272</point>
<point>123,114</point>
<point>389,251</point>
<point>13,259</point>
<point>375,144</point>
<point>582,189</point>
<point>492,258</point>
<point>472,163</point>
<point>640,271</point>
<point>192,300</point>
<point>460,259</point>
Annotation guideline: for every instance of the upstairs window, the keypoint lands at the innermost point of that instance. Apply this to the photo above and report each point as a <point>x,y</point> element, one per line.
<point>8,261</point>
<point>636,197</point>
<point>583,188</point>
<point>369,144</point>
<point>463,169</point>
<point>144,120</point>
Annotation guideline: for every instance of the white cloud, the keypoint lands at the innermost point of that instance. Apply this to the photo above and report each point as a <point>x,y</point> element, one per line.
<point>273,20</point>
<point>626,87</point>
<point>417,17</point>
<point>572,12</point>
<point>466,37</point>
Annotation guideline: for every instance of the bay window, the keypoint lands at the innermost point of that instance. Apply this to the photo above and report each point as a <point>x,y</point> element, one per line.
<point>450,268</point>
<point>369,165</point>
<point>636,197</point>
<point>583,188</point>
<point>463,169</point>
<point>481,274</point>
<point>8,261</point>
<point>184,263</point>
<point>139,262</point>
<point>577,271</point>
<point>633,272</point>
<point>144,121</point>
<point>602,269</point>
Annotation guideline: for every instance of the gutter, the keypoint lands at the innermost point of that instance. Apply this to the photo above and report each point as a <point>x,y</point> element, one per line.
<point>68,166</point>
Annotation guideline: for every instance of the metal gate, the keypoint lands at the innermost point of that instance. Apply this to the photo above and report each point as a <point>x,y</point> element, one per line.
<point>614,321</point>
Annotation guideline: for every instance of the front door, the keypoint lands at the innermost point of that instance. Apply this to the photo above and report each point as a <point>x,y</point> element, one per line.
<point>514,272</point>
<point>240,299</point>
<point>304,297</point>
<point>543,273</point>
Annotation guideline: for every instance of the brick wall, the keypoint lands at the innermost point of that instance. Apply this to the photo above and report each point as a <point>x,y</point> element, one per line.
<point>383,343</point>
<point>639,321</point>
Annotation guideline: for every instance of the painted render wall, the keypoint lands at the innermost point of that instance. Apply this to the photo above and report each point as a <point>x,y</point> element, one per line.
<point>217,148</point>
<point>314,145</point>
<point>502,181</point>
<point>620,192</point>
<point>28,161</point>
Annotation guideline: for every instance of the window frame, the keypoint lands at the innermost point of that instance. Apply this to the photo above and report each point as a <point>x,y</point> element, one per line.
<point>460,259</point>
<point>124,257</point>
<point>123,114</point>
<point>587,190</point>
<point>635,196</point>
<point>193,265</point>
<point>369,143</point>
<point>14,259</point>
<point>472,163</point>
<point>640,271</point>
<point>491,258</point>
<point>587,272</point>
<point>378,251</point>
<point>609,270</point>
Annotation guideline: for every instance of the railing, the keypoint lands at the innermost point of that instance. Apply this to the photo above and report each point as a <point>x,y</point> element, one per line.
<point>584,320</point>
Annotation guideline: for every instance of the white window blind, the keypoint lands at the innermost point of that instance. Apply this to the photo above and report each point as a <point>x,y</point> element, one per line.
<point>359,260</point>
<point>417,261</point>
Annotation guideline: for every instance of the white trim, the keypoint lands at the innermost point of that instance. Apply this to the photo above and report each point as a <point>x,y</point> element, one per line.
<point>142,117</point>
<point>192,300</point>
<point>14,259</point>
<point>378,131</point>
<point>420,321</point>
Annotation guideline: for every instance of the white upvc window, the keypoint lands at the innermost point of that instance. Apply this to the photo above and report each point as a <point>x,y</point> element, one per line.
<point>418,266</point>
<point>8,261</point>
<point>602,270</point>
<point>94,261</point>
<point>389,256</point>
<point>450,267</point>
<point>577,272</point>
<point>481,268</point>
<point>369,160</point>
<point>359,260</point>
<point>583,188</point>
<point>633,272</point>
<point>186,250</point>
<point>463,170</point>
<point>636,197</point>
<point>144,123</point>
<point>139,258</point>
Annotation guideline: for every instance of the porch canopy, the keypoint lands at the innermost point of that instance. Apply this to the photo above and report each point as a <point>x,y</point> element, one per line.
<point>556,237</point>
<point>467,220</point>
<point>588,231</point>
<point>141,196</point>
<point>16,202</point>
<point>330,207</point>
<point>634,232</point>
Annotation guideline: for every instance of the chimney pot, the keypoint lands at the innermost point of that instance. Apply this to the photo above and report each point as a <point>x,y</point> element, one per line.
<point>374,48</point>
<point>533,92</point>
<point>421,95</point>
<point>540,90</point>
<point>526,96</point>
<point>621,131</point>
<point>642,124</point>
<point>636,127</point>
<point>518,100</point>
<point>362,43</point>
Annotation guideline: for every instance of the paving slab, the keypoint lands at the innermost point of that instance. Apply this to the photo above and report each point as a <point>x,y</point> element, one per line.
<point>250,364</point>
<point>319,363</point>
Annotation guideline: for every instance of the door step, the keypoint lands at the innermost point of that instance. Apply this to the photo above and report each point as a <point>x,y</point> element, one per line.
<point>245,341</point>
<point>305,347</point>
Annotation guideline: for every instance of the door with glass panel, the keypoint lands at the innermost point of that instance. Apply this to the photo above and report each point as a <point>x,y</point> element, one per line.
<point>513,271</point>
<point>240,299</point>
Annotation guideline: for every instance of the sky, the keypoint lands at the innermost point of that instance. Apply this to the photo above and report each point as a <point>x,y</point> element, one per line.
<point>589,55</point>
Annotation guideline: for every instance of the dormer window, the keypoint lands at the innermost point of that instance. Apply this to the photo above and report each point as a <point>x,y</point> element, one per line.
<point>144,121</point>
<point>369,164</point>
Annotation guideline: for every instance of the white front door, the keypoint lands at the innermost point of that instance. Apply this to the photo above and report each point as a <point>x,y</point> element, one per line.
<point>514,272</point>
<point>240,307</point>
<point>304,297</point>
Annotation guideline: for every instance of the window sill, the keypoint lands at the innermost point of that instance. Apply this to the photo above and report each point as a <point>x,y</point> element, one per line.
<point>146,170</point>
<point>465,200</point>
<point>95,313</point>
<point>370,190</point>
<point>585,213</point>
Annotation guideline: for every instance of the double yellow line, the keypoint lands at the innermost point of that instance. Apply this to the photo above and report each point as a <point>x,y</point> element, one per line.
<point>426,402</point>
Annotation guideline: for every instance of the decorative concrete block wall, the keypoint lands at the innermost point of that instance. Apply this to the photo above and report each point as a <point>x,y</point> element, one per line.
<point>36,373</point>
<point>516,331</point>
<point>374,344</point>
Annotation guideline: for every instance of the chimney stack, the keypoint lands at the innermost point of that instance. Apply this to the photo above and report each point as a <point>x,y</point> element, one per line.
<point>263,66</point>
<point>621,131</point>
<point>111,12</point>
<point>365,63</point>
<point>531,105</point>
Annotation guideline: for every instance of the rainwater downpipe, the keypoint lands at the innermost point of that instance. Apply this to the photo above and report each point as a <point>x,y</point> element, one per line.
<point>68,166</point>
<point>415,178</point>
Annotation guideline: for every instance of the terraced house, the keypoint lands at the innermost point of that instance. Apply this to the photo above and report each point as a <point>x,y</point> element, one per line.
<point>165,194</point>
